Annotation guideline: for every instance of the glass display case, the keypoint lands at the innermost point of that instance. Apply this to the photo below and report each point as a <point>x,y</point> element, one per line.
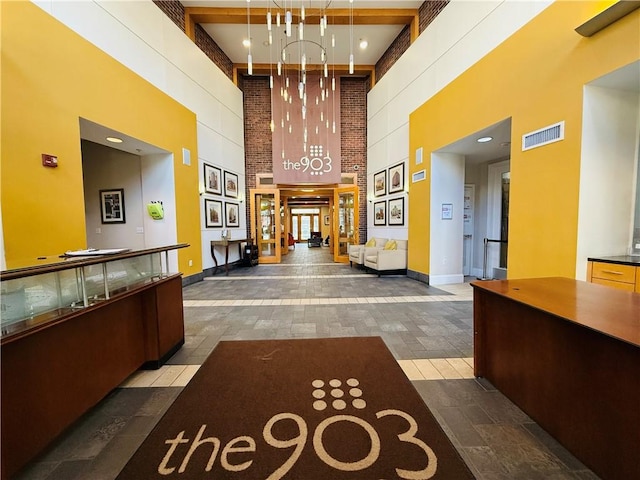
<point>57,286</point>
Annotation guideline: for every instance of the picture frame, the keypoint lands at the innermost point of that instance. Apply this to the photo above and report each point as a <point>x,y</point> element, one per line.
<point>447,211</point>
<point>230,184</point>
<point>327,220</point>
<point>396,211</point>
<point>232,214</point>
<point>396,178</point>
<point>212,179</point>
<point>112,205</point>
<point>380,213</point>
<point>380,184</point>
<point>212,213</point>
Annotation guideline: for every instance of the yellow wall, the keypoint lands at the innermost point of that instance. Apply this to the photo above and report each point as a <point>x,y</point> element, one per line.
<point>536,77</point>
<point>51,77</point>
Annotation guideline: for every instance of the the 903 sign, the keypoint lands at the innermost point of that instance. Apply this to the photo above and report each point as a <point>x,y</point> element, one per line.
<point>175,461</point>
<point>315,164</point>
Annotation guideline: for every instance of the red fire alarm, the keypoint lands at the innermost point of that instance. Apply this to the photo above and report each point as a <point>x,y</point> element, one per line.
<point>49,160</point>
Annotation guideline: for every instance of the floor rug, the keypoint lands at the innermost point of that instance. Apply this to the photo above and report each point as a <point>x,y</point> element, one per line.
<point>308,409</point>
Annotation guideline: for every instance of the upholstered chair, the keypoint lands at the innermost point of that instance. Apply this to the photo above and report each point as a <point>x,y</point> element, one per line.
<point>356,252</point>
<point>391,257</point>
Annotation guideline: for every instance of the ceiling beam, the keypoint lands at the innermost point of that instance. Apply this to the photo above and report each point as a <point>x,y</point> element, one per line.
<point>262,69</point>
<point>341,16</point>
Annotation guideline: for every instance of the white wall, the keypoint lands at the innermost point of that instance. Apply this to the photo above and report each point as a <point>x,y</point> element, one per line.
<point>141,37</point>
<point>447,187</point>
<point>107,168</point>
<point>158,185</point>
<point>459,36</point>
<point>610,129</point>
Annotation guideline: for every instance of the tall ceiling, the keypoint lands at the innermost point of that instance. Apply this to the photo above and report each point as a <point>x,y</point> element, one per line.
<point>376,21</point>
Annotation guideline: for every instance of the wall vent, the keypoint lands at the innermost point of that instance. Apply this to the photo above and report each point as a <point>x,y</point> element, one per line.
<point>419,176</point>
<point>544,136</point>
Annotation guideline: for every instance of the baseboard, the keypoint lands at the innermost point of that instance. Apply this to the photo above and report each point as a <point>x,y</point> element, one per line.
<point>420,277</point>
<point>446,279</point>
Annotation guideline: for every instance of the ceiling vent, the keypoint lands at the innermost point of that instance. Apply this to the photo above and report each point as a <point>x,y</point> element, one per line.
<point>550,134</point>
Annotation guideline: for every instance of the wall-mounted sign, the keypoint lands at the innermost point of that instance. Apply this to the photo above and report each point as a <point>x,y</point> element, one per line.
<point>306,139</point>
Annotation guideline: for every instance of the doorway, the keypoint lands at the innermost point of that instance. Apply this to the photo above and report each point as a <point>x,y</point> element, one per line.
<point>281,214</point>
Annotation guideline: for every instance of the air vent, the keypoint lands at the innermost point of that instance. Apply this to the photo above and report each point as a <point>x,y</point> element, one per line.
<point>419,176</point>
<point>544,136</point>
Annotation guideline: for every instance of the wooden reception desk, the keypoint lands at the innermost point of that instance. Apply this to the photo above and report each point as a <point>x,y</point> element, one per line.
<point>568,354</point>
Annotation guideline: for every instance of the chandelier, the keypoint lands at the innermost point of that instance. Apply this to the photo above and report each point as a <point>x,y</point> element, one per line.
<point>300,40</point>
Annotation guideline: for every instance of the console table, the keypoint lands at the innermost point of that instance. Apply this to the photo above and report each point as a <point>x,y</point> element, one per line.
<point>567,353</point>
<point>225,243</point>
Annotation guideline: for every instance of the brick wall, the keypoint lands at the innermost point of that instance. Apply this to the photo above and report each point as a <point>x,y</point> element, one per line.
<point>353,131</point>
<point>393,53</point>
<point>175,11</point>
<point>258,145</point>
<point>427,12</point>
<point>172,9</point>
<point>430,10</point>
<point>213,51</point>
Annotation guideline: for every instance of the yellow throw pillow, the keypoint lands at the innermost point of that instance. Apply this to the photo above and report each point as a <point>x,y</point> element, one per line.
<point>391,245</point>
<point>371,243</point>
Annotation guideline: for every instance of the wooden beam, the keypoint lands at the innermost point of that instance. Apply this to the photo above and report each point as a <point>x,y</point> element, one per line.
<point>415,28</point>
<point>190,27</point>
<point>262,69</point>
<point>341,16</point>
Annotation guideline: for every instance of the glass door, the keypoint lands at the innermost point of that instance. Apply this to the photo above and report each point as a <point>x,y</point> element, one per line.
<point>266,224</point>
<point>345,222</point>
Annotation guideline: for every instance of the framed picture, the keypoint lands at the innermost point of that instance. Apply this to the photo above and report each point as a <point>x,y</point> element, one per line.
<point>232,215</point>
<point>447,211</point>
<point>112,205</point>
<point>380,213</point>
<point>396,211</point>
<point>396,178</point>
<point>230,184</point>
<point>212,179</point>
<point>327,219</point>
<point>212,213</point>
<point>380,183</point>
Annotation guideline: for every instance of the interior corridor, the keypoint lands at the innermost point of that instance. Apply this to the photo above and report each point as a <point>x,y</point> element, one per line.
<point>429,331</point>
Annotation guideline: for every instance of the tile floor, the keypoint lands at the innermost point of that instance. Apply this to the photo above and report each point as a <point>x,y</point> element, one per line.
<point>428,329</point>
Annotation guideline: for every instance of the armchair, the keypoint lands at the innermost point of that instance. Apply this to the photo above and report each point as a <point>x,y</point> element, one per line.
<point>382,260</point>
<point>356,252</point>
<point>315,240</point>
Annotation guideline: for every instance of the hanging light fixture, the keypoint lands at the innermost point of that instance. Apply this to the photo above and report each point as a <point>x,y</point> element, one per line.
<point>292,57</point>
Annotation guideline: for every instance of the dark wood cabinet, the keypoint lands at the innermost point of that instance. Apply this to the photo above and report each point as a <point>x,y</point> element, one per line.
<point>55,370</point>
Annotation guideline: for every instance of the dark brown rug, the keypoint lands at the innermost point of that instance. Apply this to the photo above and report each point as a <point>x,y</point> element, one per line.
<point>318,409</point>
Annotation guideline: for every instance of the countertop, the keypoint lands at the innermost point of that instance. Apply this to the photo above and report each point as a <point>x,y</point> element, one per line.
<point>633,260</point>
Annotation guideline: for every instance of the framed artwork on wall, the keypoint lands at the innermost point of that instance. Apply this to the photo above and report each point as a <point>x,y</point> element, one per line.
<point>212,213</point>
<point>396,178</point>
<point>232,215</point>
<point>327,220</point>
<point>112,205</point>
<point>396,211</point>
<point>212,179</point>
<point>380,183</point>
<point>380,213</point>
<point>230,184</point>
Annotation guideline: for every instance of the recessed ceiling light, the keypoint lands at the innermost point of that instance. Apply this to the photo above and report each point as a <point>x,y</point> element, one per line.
<point>246,42</point>
<point>484,139</point>
<point>114,140</point>
<point>307,189</point>
<point>363,44</point>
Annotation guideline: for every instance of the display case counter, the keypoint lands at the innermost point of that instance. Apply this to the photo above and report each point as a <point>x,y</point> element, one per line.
<point>75,328</point>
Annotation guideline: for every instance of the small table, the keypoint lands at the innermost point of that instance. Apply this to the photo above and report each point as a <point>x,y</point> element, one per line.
<point>225,243</point>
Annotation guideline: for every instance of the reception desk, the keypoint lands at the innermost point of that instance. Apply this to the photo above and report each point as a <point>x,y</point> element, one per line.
<point>72,330</point>
<point>568,354</point>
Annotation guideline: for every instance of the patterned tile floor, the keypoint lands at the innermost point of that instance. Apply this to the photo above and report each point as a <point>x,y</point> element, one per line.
<point>428,329</point>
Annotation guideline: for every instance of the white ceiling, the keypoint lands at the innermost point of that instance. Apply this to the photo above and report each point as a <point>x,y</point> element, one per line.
<point>229,37</point>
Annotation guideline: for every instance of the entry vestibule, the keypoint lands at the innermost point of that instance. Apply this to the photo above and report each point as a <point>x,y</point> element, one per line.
<point>279,213</point>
